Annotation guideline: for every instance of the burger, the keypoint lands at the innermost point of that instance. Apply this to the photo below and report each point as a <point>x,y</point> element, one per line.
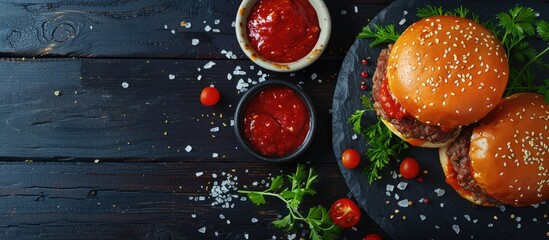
<point>503,158</point>
<point>442,73</point>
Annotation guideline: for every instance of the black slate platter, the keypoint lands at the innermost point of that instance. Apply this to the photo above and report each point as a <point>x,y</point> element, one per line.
<point>447,216</point>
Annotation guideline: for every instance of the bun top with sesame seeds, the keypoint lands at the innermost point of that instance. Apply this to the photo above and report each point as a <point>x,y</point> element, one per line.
<point>447,71</point>
<point>509,150</point>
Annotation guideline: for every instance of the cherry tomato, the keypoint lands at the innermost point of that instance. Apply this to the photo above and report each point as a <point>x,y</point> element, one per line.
<point>409,168</point>
<point>209,96</point>
<point>372,236</point>
<point>345,213</point>
<point>350,158</point>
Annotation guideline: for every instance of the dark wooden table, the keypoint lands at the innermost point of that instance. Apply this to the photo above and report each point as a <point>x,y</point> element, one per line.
<point>102,134</point>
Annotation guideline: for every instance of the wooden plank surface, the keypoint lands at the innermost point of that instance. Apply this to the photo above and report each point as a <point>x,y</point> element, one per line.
<point>99,100</point>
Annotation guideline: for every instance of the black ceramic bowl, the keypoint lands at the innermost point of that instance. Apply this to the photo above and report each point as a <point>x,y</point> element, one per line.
<point>239,120</point>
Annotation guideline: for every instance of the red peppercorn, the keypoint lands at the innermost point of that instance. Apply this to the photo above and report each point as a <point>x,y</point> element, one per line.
<point>364,74</point>
<point>420,179</point>
<point>426,201</point>
<point>363,87</point>
<point>364,62</point>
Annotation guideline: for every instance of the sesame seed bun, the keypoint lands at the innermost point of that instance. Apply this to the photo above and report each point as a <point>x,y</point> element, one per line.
<point>510,153</point>
<point>451,179</point>
<point>415,141</point>
<point>447,71</point>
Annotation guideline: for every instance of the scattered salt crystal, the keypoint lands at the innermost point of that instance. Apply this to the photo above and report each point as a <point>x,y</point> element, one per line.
<point>209,65</point>
<point>388,193</point>
<point>439,192</point>
<point>229,54</point>
<point>490,225</point>
<point>437,227</point>
<point>216,233</point>
<point>242,86</point>
<point>188,25</point>
<point>96,161</point>
<point>395,175</point>
<point>221,216</point>
<point>215,155</point>
<point>215,30</point>
<point>403,203</point>
<point>216,21</point>
<point>502,208</point>
<point>172,31</point>
<point>356,9</point>
<point>229,76</point>
<point>254,220</point>
<point>456,228</point>
<point>198,174</point>
<point>228,221</point>
<point>319,80</point>
<point>195,41</point>
<point>535,205</point>
<point>292,236</point>
<point>233,24</point>
<point>405,12</point>
<point>237,71</point>
<point>467,217</point>
<point>390,187</point>
<point>199,77</point>
<point>354,137</point>
<point>402,185</point>
<point>125,85</point>
<point>188,148</point>
<point>397,197</point>
<point>441,205</point>
<point>207,28</point>
<point>201,198</point>
<point>422,217</point>
<point>313,76</point>
<point>232,122</point>
<point>402,21</point>
<point>534,220</point>
<point>475,220</point>
<point>202,230</point>
<point>215,129</point>
<point>343,12</point>
<point>91,27</point>
<point>165,26</point>
<point>246,236</point>
<point>518,219</point>
<point>519,225</point>
<point>171,77</point>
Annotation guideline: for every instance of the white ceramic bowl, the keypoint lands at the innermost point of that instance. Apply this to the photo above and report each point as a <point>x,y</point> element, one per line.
<point>242,35</point>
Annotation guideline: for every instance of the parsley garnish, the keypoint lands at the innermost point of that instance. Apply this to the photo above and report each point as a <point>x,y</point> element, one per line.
<point>382,143</point>
<point>382,34</point>
<point>300,185</point>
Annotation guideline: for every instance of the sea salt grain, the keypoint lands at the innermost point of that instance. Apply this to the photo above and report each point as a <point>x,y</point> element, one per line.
<point>195,41</point>
<point>439,192</point>
<point>456,228</point>
<point>215,129</point>
<point>209,65</point>
<point>313,76</point>
<point>354,137</point>
<point>422,217</point>
<point>390,187</point>
<point>207,28</point>
<point>402,185</point>
<point>215,155</point>
<point>254,220</point>
<point>343,12</point>
<point>229,76</point>
<point>125,85</point>
<point>467,217</point>
<point>202,230</point>
<point>403,203</point>
<point>171,77</point>
<point>188,148</point>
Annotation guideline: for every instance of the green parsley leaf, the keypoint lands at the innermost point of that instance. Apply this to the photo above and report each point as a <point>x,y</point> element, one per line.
<point>430,11</point>
<point>542,27</point>
<point>292,193</point>
<point>545,90</point>
<point>382,34</point>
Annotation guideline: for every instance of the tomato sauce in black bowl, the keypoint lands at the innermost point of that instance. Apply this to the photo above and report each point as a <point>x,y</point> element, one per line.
<point>275,121</point>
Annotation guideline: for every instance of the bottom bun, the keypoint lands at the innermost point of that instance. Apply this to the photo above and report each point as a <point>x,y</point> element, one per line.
<point>451,179</point>
<point>416,141</point>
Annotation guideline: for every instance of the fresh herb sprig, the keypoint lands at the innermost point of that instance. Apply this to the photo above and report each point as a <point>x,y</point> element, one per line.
<point>518,25</point>
<point>380,34</point>
<point>300,184</point>
<point>382,143</point>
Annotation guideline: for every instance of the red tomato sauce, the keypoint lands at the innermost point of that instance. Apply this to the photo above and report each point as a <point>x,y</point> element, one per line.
<point>283,30</point>
<point>276,121</point>
<point>392,108</point>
